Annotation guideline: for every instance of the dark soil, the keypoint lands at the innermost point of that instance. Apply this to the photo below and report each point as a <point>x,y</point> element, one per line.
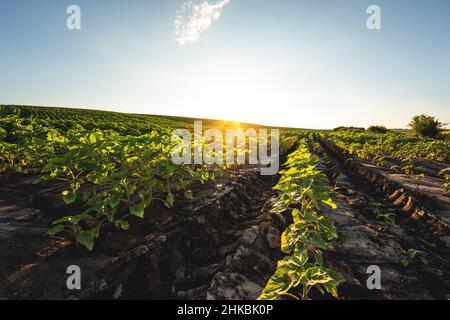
<point>365,240</point>
<point>223,245</point>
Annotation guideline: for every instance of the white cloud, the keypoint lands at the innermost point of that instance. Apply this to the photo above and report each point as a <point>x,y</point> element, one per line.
<point>195,17</point>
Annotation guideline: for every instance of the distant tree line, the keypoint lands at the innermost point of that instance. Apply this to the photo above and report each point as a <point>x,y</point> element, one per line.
<point>422,125</point>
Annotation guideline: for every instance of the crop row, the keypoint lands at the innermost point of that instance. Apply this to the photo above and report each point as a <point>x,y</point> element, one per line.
<point>303,191</point>
<point>378,147</point>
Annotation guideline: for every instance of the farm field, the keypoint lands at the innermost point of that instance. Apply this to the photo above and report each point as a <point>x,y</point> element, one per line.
<point>99,190</point>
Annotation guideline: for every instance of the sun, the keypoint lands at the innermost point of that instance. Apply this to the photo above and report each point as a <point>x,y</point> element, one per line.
<point>238,89</point>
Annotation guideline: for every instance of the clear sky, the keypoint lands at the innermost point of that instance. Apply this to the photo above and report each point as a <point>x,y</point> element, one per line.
<point>278,62</point>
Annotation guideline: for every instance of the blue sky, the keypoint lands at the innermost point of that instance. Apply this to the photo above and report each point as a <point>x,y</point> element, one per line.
<point>277,62</point>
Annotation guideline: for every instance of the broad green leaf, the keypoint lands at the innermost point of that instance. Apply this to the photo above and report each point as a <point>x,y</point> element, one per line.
<point>148,198</point>
<point>95,232</point>
<point>318,241</point>
<point>300,258</point>
<point>85,238</point>
<point>296,215</point>
<point>329,202</point>
<point>69,196</point>
<point>279,284</point>
<point>114,200</point>
<point>43,179</point>
<point>316,276</point>
<point>55,230</point>
<point>63,219</point>
<point>169,200</point>
<point>92,138</point>
<point>124,225</point>
<point>189,194</point>
<point>423,260</point>
<point>138,210</point>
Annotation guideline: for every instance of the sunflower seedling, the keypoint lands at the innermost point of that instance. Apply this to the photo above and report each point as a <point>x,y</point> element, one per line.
<point>413,255</point>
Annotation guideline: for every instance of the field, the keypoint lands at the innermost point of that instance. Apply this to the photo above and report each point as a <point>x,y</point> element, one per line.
<point>99,190</point>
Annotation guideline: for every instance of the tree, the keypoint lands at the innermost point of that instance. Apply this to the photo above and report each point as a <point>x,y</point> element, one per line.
<point>349,129</point>
<point>426,126</point>
<point>378,129</point>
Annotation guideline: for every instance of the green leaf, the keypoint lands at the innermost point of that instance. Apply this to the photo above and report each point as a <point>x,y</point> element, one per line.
<point>317,241</point>
<point>43,179</point>
<point>296,216</point>
<point>189,194</point>
<point>138,210</point>
<point>55,230</point>
<point>114,200</point>
<point>300,258</point>
<point>316,275</point>
<point>405,262</point>
<point>148,198</point>
<point>122,224</point>
<point>63,219</point>
<point>329,202</point>
<point>92,138</point>
<point>169,200</point>
<point>205,176</point>
<point>279,284</point>
<point>95,232</point>
<point>85,238</point>
<point>423,260</point>
<point>69,196</point>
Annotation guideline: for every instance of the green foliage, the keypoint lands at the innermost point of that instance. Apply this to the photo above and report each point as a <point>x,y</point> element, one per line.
<point>188,194</point>
<point>379,147</point>
<point>377,129</point>
<point>413,255</point>
<point>112,166</point>
<point>386,216</point>
<point>426,126</point>
<point>303,190</point>
<point>355,129</point>
<point>445,135</point>
<point>108,172</point>
<point>69,196</point>
<point>86,239</point>
<point>445,174</point>
<point>408,169</point>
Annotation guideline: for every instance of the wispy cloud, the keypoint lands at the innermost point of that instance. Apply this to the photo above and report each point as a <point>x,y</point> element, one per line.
<point>195,17</point>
